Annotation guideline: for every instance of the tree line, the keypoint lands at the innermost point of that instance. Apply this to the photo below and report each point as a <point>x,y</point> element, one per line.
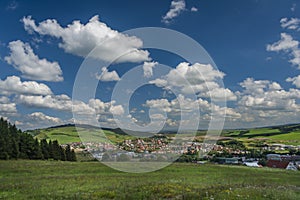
<point>15,144</point>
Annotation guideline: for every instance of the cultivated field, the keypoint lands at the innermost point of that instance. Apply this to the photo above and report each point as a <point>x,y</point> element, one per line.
<point>91,180</point>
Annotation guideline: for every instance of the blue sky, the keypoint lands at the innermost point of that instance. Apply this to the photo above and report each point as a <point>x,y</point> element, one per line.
<point>254,44</point>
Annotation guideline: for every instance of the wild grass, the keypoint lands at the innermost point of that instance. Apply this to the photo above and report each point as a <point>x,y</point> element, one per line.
<point>93,180</point>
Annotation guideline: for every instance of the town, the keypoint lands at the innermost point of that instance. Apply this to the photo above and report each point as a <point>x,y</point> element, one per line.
<point>160,148</point>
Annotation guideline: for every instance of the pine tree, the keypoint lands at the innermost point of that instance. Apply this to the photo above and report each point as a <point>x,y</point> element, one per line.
<point>68,153</point>
<point>73,156</point>
<point>56,150</point>
<point>36,150</point>
<point>3,154</point>
<point>62,153</point>
<point>50,149</point>
<point>15,149</point>
<point>45,149</point>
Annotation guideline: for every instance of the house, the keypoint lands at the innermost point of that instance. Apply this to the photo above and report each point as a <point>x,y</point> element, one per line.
<point>282,164</point>
<point>273,157</point>
<point>252,164</point>
<point>277,164</point>
<point>230,161</point>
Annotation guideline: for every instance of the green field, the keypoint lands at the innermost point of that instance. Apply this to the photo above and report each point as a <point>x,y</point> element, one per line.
<point>92,180</point>
<point>269,135</point>
<point>69,134</point>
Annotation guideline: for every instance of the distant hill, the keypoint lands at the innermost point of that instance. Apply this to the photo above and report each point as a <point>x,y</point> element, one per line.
<point>287,134</point>
<point>68,133</point>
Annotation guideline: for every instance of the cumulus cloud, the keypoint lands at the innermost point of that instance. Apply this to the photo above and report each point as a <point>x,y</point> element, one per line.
<point>292,23</point>
<point>266,101</point>
<point>56,102</point>
<point>148,68</point>
<point>40,117</point>
<point>176,7</point>
<point>188,109</point>
<point>295,81</point>
<point>14,85</point>
<point>200,79</point>
<point>32,67</point>
<point>107,76</point>
<point>80,39</point>
<point>116,110</point>
<point>6,107</point>
<point>65,104</point>
<point>286,43</point>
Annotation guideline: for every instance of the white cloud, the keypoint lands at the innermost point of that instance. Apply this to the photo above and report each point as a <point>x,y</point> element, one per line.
<point>188,109</point>
<point>220,94</point>
<point>65,104</point>
<point>200,79</point>
<point>296,57</point>
<point>107,76</point>
<point>292,23</point>
<point>148,68</point>
<point>8,108</point>
<point>267,95</point>
<point>162,104</point>
<point>14,85</point>
<point>41,118</point>
<point>32,67</point>
<point>194,9</point>
<point>286,43</point>
<point>116,110</point>
<point>80,39</point>
<point>264,102</point>
<point>4,99</point>
<point>56,102</point>
<point>177,7</point>
<point>295,81</point>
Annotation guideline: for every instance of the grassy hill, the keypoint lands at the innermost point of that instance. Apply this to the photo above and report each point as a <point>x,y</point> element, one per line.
<point>68,134</point>
<point>286,134</point>
<point>92,180</point>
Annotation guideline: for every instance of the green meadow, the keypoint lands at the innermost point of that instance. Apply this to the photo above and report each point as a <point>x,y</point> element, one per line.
<point>27,179</point>
<point>69,134</point>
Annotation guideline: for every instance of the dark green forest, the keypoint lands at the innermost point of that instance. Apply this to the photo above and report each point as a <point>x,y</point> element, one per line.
<point>15,144</point>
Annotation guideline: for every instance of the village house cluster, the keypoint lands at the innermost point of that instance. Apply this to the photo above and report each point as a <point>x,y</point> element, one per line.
<point>161,148</point>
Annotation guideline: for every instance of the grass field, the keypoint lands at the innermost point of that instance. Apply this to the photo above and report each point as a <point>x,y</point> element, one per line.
<point>69,134</point>
<point>92,180</point>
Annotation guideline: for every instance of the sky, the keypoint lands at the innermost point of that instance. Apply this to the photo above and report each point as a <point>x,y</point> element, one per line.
<point>251,77</point>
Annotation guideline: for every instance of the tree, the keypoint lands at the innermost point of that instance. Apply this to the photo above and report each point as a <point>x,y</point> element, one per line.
<point>50,149</point>
<point>73,156</point>
<point>68,153</point>
<point>16,144</point>
<point>56,151</point>
<point>62,153</point>
<point>15,153</point>
<point>45,149</point>
<point>36,150</point>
